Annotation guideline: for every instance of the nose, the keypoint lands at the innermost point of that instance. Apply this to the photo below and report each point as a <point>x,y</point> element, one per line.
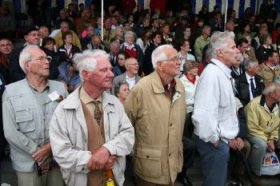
<point>111,74</point>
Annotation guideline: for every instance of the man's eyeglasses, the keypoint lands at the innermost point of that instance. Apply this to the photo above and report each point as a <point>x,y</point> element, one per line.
<point>175,58</point>
<point>42,58</point>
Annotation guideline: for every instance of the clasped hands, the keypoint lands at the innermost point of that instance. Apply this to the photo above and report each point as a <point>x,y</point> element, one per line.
<point>101,159</point>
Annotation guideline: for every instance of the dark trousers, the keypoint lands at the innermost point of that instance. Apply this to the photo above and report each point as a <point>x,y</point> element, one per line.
<point>214,162</point>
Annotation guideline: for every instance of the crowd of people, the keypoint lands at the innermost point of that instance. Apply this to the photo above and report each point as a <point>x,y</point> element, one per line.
<point>156,89</point>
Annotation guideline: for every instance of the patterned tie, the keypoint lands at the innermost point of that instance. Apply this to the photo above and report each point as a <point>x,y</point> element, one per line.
<point>97,112</point>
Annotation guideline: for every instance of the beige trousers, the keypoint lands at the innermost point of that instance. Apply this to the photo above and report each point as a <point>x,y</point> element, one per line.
<point>52,178</point>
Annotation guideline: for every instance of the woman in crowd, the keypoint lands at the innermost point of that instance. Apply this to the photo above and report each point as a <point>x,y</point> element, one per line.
<point>122,91</point>
<point>120,67</point>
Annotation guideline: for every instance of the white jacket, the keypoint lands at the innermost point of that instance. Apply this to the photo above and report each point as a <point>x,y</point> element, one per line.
<point>190,92</point>
<point>69,138</point>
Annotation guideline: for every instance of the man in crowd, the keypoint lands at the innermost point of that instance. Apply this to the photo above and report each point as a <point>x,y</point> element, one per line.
<point>269,69</point>
<point>214,115</point>
<point>31,37</point>
<point>130,76</point>
<point>263,120</point>
<point>90,132</point>
<point>28,106</point>
<point>202,41</point>
<point>156,108</point>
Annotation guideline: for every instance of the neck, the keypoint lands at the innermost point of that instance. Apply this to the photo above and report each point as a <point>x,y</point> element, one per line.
<point>93,92</point>
<point>269,63</point>
<point>122,100</point>
<point>130,75</point>
<point>205,36</point>
<point>190,76</point>
<point>269,101</point>
<point>184,52</point>
<point>39,83</point>
<point>165,79</point>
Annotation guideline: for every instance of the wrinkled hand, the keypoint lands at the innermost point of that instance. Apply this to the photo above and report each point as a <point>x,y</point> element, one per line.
<point>236,144</point>
<point>110,162</point>
<point>233,144</point>
<point>42,154</point>
<point>270,146</point>
<point>99,158</point>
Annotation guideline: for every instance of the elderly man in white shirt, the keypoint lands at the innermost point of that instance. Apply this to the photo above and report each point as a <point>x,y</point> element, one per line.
<point>214,116</point>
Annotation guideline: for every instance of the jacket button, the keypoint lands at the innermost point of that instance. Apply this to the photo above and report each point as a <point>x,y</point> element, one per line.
<point>147,156</point>
<point>170,124</point>
<point>169,154</point>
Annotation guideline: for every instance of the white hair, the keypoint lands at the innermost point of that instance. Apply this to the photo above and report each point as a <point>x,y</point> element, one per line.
<point>218,41</point>
<point>159,54</point>
<point>26,55</point>
<point>249,63</point>
<point>128,34</point>
<point>87,60</point>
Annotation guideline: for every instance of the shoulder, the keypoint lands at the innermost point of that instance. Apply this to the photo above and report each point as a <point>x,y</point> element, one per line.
<point>14,87</point>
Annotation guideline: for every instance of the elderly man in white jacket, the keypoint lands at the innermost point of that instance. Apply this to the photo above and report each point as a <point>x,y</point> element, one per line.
<point>90,132</point>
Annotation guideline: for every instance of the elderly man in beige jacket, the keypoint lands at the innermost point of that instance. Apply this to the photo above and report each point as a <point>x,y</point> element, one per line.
<point>156,108</point>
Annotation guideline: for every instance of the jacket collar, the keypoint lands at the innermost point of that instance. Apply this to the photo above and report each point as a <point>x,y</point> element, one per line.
<point>71,102</point>
<point>263,104</point>
<point>222,66</point>
<point>159,89</point>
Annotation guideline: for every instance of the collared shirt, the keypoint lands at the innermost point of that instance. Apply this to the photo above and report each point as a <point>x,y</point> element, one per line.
<point>131,81</point>
<point>248,77</point>
<point>42,98</point>
<point>88,101</point>
<point>214,115</point>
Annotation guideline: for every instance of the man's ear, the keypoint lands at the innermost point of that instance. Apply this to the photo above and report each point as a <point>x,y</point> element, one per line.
<point>26,66</point>
<point>159,66</point>
<point>84,74</point>
<point>219,52</point>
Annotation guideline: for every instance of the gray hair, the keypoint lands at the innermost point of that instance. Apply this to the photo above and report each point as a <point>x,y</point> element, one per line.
<point>87,60</point>
<point>26,55</point>
<point>271,88</point>
<point>159,54</point>
<point>114,43</point>
<point>129,34</point>
<point>249,63</point>
<point>218,41</point>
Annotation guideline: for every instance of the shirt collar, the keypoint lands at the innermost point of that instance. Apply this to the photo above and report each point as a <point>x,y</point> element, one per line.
<point>34,89</point>
<point>85,98</point>
<point>248,77</point>
<point>222,66</point>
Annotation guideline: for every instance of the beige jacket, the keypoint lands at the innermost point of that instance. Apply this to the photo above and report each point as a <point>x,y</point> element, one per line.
<point>159,124</point>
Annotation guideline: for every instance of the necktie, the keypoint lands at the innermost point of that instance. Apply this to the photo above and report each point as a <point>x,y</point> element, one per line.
<point>253,88</point>
<point>97,113</point>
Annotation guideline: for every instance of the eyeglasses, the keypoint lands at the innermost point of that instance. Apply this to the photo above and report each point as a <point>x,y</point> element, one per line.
<point>134,64</point>
<point>175,58</point>
<point>42,58</point>
<point>121,59</point>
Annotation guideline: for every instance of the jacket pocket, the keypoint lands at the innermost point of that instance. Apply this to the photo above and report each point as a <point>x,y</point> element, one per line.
<point>24,118</point>
<point>148,163</point>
